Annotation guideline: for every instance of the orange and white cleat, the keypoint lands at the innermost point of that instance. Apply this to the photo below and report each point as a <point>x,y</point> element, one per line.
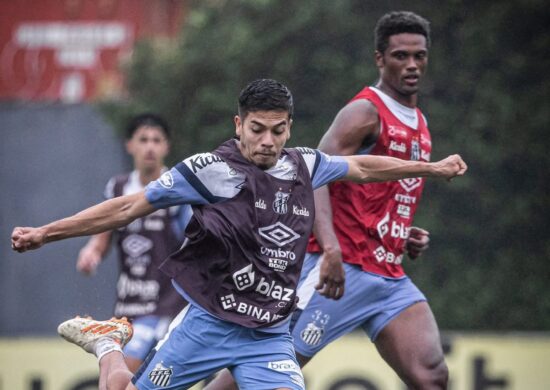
<point>86,332</point>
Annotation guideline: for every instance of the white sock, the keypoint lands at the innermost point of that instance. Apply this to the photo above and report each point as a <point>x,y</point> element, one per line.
<point>106,345</point>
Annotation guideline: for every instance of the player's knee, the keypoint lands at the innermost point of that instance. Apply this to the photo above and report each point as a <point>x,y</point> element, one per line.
<point>430,376</point>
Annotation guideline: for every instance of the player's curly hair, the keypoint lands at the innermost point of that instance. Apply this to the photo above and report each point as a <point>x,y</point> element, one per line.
<point>399,22</point>
<point>265,95</point>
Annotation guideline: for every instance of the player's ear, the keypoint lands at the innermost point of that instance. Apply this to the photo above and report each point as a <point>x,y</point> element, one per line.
<point>289,127</point>
<point>129,146</point>
<point>238,125</point>
<point>379,58</point>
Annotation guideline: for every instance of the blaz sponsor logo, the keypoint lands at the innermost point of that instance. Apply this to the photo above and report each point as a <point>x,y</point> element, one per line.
<point>166,180</point>
<point>382,226</point>
<point>397,230</point>
<point>280,204</point>
<point>201,161</point>
<point>278,233</point>
<point>274,290</point>
<point>160,375</point>
<point>304,212</point>
<point>410,183</point>
<point>398,147</point>
<point>381,255</point>
<point>244,278</point>
<point>260,204</point>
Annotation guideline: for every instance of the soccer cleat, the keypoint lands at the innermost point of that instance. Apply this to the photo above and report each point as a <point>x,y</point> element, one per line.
<point>86,332</point>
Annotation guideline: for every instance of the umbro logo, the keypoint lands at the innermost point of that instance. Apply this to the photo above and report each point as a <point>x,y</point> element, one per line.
<point>279,234</point>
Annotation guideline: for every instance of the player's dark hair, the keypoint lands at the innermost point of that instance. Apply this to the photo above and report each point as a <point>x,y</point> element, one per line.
<point>265,95</point>
<point>147,119</point>
<point>399,22</point>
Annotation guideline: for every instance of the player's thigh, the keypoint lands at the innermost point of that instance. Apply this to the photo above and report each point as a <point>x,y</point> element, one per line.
<point>186,355</point>
<point>270,365</point>
<point>323,320</point>
<point>411,340</point>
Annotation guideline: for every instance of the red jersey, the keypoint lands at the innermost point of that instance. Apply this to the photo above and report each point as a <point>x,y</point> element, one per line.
<point>372,221</point>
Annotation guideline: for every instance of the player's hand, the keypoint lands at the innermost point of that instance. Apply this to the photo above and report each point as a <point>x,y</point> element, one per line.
<point>331,275</point>
<point>27,238</point>
<point>88,260</point>
<point>450,167</point>
<point>417,242</point>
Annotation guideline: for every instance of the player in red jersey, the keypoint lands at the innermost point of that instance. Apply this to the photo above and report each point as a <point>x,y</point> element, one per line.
<point>368,227</point>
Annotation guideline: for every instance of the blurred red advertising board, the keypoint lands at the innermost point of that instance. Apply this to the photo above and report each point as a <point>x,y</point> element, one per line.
<point>73,50</point>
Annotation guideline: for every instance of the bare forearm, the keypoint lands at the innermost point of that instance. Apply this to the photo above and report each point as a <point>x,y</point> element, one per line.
<point>323,228</point>
<point>365,169</point>
<point>103,217</point>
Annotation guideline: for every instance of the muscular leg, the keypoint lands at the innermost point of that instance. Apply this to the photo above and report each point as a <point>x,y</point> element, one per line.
<point>113,373</point>
<point>133,364</point>
<point>411,345</point>
<point>223,381</point>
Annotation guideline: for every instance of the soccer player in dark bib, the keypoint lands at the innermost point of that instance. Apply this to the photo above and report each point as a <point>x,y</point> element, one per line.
<point>239,265</point>
<point>145,295</point>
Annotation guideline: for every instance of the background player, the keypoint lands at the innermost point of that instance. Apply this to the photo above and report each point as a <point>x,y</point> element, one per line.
<point>244,247</point>
<point>144,294</point>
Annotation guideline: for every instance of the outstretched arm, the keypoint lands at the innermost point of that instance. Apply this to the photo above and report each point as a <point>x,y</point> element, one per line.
<point>368,169</point>
<point>102,217</point>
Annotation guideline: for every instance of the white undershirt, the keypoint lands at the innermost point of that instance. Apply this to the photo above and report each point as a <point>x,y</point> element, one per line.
<point>407,115</point>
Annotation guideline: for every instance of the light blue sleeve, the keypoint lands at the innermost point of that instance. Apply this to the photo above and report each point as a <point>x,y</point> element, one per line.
<point>172,189</point>
<point>328,169</point>
<point>180,217</point>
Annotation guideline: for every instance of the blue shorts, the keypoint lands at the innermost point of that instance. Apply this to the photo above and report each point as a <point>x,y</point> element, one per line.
<point>148,330</point>
<point>369,301</point>
<point>198,345</point>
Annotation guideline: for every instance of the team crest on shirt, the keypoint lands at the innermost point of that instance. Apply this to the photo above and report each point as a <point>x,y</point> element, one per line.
<point>166,180</point>
<point>280,204</point>
<point>415,150</point>
<point>160,375</point>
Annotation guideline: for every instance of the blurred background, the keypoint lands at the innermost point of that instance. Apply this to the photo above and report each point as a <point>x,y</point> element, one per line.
<point>73,71</point>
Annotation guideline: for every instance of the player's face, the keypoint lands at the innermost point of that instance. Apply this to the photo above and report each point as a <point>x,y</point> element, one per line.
<point>403,63</point>
<point>148,146</point>
<point>263,135</point>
